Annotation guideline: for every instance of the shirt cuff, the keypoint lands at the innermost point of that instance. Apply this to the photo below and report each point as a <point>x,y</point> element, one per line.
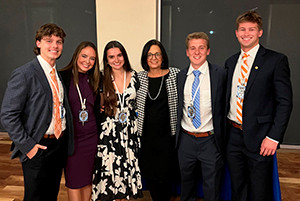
<point>272,139</point>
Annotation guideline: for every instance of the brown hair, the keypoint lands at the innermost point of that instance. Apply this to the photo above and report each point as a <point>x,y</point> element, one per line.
<point>110,98</point>
<point>249,16</point>
<point>48,30</point>
<point>93,73</point>
<point>196,35</point>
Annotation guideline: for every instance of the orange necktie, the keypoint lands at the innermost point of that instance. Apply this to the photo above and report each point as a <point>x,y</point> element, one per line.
<point>57,119</point>
<point>243,79</point>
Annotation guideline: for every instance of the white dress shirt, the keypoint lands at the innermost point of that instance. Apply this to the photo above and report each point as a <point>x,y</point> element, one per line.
<point>205,100</point>
<point>237,72</point>
<point>47,69</point>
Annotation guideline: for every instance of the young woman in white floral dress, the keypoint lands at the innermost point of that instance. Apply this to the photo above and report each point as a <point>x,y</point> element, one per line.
<point>117,174</point>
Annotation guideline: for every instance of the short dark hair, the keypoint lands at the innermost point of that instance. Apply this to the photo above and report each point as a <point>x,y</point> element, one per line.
<point>249,16</point>
<point>196,35</point>
<point>147,46</point>
<point>48,30</point>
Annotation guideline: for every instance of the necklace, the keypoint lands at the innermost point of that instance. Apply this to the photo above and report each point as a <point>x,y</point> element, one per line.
<point>161,83</point>
<point>83,113</point>
<point>122,115</point>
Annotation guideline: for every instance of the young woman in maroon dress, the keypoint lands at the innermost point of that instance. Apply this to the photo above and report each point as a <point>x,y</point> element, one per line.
<point>81,78</point>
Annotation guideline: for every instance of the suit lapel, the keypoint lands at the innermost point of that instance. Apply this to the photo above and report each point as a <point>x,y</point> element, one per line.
<point>181,81</point>
<point>231,67</point>
<point>40,74</point>
<point>213,84</point>
<point>257,65</point>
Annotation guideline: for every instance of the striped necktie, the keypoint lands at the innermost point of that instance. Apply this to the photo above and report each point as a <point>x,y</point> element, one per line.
<point>57,119</point>
<point>242,80</point>
<point>196,103</point>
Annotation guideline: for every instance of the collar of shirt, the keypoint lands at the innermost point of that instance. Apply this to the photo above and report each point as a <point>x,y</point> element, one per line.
<point>203,69</point>
<point>205,100</point>
<point>252,53</point>
<point>232,112</point>
<point>47,69</point>
<point>45,65</point>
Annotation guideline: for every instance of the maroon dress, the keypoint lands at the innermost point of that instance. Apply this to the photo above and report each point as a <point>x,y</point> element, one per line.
<point>80,166</point>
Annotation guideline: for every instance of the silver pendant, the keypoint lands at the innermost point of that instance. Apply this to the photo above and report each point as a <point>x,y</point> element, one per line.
<point>122,117</point>
<point>191,111</point>
<point>83,116</point>
<point>240,91</point>
<point>62,111</point>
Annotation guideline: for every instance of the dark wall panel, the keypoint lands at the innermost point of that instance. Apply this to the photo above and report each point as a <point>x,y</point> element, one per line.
<point>20,19</point>
<point>281,20</point>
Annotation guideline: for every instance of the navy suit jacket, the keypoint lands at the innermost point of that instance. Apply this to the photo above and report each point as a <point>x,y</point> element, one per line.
<point>26,110</point>
<point>218,89</point>
<point>268,97</point>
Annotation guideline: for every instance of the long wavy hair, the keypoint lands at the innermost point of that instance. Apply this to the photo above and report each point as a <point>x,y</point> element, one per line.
<point>109,93</point>
<point>93,73</point>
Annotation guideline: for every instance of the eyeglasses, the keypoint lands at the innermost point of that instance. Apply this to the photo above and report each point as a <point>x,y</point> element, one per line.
<point>157,55</point>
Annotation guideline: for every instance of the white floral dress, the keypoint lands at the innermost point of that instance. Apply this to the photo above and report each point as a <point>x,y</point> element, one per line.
<point>117,174</point>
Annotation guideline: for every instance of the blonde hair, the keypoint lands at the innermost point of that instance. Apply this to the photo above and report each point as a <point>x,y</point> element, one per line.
<point>196,35</point>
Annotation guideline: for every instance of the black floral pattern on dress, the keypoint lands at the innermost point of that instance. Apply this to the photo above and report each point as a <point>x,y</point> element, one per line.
<point>117,174</point>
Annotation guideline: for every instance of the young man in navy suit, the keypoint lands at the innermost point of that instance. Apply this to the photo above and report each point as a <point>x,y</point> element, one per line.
<point>201,120</point>
<point>36,115</point>
<point>258,108</point>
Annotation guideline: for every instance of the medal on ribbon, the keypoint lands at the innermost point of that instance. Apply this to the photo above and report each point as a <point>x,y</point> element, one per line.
<point>62,111</point>
<point>191,111</point>
<point>83,113</point>
<point>122,117</point>
<point>83,116</point>
<point>240,91</point>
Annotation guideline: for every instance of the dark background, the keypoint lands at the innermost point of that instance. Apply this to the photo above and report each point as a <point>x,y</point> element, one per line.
<point>19,20</point>
<point>281,26</point>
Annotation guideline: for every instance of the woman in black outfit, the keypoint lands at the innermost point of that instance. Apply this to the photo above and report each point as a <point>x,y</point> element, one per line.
<point>157,114</point>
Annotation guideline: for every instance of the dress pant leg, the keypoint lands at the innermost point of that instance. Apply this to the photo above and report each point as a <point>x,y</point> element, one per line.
<point>237,164</point>
<point>211,167</point>
<point>261,180</point>
<point>42,173</point>
<point>251,174</point>
<point>187,162</point>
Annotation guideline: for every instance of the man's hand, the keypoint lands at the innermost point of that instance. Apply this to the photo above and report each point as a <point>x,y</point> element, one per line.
<point>268,147</point>
<point>34,150</point>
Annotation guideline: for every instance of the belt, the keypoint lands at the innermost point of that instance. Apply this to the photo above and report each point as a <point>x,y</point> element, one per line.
<point>203,134</point>
<point>52,136</point>
<point>49,136</point>
<point>236,125</point>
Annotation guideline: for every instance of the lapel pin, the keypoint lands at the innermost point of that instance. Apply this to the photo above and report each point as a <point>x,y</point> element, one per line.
<point>256,67</point>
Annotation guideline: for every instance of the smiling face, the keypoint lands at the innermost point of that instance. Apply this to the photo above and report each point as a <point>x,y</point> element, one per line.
<point>154,57</point>
<point>50,48</point>
<point>115,58</point>
<point>197,52</point>
<point>86,59</point>
<point>248,35</point>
